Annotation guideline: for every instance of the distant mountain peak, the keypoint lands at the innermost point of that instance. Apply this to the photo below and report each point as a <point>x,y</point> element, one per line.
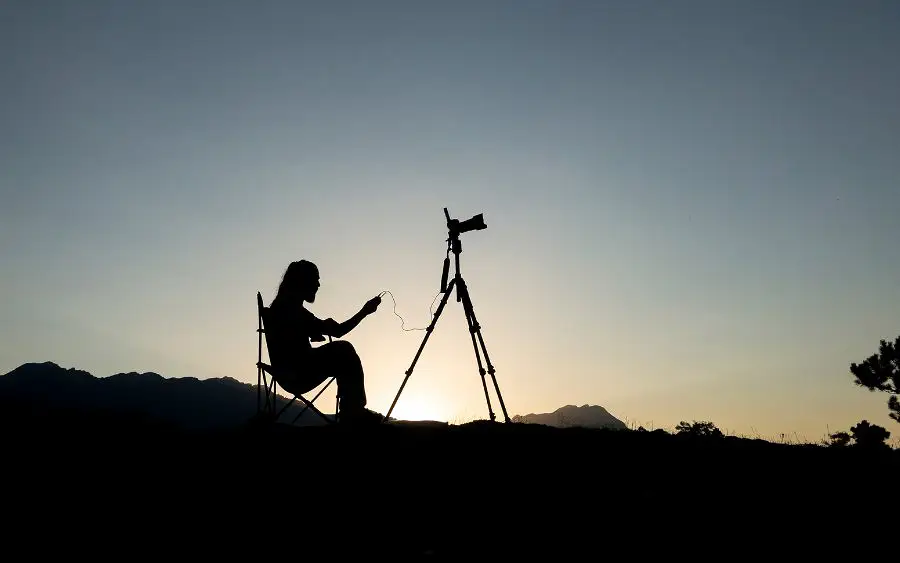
<point>46,370</point>
<point>585,416</point>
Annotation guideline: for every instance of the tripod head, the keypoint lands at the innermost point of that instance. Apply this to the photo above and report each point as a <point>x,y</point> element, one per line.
<point>455,227</point>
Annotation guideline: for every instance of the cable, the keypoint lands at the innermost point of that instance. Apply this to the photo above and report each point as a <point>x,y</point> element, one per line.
<point>402,322</point>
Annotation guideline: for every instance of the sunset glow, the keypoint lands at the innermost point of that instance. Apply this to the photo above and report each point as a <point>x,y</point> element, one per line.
<point>419,407</point>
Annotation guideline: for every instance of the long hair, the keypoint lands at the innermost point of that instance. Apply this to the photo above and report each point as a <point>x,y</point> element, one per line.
<point>295,277</point>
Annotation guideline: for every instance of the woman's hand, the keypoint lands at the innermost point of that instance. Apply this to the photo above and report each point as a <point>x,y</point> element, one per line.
<point>330,327</point>
<point>371,305</point>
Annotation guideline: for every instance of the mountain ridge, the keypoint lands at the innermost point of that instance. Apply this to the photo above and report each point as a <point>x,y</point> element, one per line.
<point>184,402</point>
<point>198,404</point>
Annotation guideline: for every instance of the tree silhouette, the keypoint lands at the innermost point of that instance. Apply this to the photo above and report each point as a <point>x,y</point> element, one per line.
<point>702,429</point>
<point>881,372</point>
<point>870,436</point>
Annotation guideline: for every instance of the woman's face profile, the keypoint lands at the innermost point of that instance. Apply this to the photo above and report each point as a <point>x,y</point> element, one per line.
<point>310,285</point>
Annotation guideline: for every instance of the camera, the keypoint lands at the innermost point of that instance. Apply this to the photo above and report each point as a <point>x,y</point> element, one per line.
<point>457,227</point>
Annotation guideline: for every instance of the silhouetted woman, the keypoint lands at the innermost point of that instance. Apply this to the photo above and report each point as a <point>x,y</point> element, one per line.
<point>289,329</point>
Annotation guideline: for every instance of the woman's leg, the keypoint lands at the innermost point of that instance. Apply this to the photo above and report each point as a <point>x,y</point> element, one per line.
<point>340,359</point>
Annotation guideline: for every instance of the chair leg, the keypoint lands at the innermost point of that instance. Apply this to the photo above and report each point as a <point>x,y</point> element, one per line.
<point>265,391</point>
<point>271,400</point>
<point>309,404</point>
<point>285,407</point>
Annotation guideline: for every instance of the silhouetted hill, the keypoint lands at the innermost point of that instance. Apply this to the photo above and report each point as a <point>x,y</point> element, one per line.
<point>186,403</point>
<point>482,489</point>
<point>91,475</point>
<point>571,416</point>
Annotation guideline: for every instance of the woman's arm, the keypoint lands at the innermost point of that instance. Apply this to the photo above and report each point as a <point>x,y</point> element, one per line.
<point>348,325</point>
<point>339,330</point>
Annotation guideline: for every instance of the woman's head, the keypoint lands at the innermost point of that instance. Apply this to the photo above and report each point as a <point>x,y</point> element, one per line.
<point>300,281</point>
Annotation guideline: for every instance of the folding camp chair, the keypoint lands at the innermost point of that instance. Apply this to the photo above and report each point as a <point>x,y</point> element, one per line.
<point>268,377</point>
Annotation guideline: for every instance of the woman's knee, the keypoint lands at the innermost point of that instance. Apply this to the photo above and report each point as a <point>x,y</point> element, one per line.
<point>343,347</point>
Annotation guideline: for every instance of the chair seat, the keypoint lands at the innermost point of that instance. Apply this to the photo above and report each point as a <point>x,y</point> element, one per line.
<point>287,379</point>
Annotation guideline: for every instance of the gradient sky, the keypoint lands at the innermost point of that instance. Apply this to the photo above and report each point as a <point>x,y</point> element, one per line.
<point>692,207</point>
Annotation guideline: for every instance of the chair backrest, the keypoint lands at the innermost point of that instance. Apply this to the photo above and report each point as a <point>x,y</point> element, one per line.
<point>272,344</point>
<point>263,313</point>
<point>273,341</point>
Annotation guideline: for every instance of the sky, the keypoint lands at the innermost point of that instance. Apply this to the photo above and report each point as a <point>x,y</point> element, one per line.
<point>691,207</point>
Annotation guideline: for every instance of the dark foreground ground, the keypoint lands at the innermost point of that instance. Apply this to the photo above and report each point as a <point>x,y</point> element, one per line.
<point>132,491</point>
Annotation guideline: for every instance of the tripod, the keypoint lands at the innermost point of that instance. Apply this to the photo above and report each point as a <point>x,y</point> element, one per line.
<point>455,228</point>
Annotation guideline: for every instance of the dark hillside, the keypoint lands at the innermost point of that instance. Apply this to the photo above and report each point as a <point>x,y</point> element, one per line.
<point>100,480</point>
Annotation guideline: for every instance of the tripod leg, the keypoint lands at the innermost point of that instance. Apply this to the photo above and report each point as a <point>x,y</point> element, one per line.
<point>487,395</point>
<point>428,332</point>
<point>475,328</point>
<point>493,375</point>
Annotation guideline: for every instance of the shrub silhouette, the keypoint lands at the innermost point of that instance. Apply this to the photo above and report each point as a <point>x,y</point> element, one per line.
<point>864,436</point>
<point>839,439</point>
<point>703,429</point>
<point>870,436</point>
<point>881,372</point>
